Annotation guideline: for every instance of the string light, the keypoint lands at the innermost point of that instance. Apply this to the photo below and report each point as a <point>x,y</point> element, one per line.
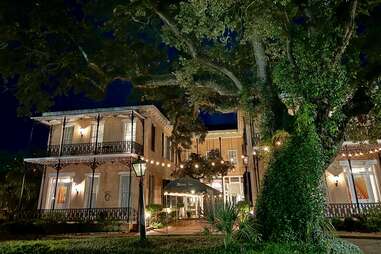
<point>278,143</point>
<point>213,164</point>
<point>266,148</point>
<point>168,165</point>
<point>222,162</point>
<point>181,166</point>
<point>157,163</point>
<point>152,161</point>
<point>162,164</point>
<point>196,165</point>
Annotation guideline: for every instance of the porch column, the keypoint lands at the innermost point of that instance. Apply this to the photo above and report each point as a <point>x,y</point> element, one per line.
<point>222,176</point>
<point>94,165</point>
<point>58,166</point>
<point>143,138</point>
<point>130,178</point>
<point>352,178</point>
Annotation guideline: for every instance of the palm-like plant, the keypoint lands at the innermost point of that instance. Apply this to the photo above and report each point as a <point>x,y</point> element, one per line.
<point>225,218</point>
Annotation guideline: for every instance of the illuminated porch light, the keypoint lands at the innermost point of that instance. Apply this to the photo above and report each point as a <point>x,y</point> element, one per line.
<point>336,180</point>
<point>81,131</point>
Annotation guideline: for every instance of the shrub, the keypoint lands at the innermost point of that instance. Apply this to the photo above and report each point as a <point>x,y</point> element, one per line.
<point>225,218</point>
<point>211,244</point>
<point>373,220</point>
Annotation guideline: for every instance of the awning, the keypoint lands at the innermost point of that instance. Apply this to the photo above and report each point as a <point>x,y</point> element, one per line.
<point>188,185</point>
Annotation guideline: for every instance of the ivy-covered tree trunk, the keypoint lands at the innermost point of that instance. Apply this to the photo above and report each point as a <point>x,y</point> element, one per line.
<point>291,204</point>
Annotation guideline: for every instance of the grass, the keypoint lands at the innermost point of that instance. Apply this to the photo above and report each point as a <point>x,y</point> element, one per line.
<point>155,245</point>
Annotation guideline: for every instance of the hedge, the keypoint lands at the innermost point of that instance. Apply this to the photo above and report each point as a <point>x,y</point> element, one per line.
<point>212,244</point>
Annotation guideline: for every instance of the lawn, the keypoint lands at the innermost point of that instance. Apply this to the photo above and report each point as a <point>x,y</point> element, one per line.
<point>155,245</point>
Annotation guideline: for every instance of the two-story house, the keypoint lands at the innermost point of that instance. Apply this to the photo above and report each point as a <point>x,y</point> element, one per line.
<point>89,156</point>
<point>229,141</point>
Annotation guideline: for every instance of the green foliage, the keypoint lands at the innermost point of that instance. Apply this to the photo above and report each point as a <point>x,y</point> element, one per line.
<point>204,167</point>
<point>210,244</point>
<point>364,223</point>
<point>225,218</point>
<point>12,170</point>
<point>290,205</point>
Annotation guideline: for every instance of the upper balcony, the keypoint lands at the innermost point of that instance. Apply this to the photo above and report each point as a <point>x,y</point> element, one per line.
<point>103,133</point>
<point>93,148</point>
<point>114,147</point>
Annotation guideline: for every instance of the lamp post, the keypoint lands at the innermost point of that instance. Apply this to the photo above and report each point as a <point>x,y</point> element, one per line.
<point>139,167</point>
<point>247,180</point>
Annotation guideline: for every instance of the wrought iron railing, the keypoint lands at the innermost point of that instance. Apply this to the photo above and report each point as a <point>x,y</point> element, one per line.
<point>125,214</point>
<point>102,148</point>
<point>342,210</point>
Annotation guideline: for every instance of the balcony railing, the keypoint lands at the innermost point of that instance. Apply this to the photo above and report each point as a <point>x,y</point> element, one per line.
<point>102,148</point>
<point>342,210</point>
<point>125,214</point>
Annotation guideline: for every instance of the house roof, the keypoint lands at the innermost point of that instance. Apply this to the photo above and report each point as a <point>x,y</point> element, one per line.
<point>141,111</point>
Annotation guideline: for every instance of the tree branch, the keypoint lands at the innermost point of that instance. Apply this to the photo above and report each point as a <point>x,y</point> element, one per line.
<point>260,59</point>
<point>348,33</point>
<point>195,55</point>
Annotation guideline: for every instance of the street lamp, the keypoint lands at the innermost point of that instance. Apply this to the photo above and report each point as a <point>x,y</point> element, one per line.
<point>247,179</point>
<point>139,167</point>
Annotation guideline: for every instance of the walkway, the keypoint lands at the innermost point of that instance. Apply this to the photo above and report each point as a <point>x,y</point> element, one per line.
<point>368,246</point>
<point>181,227</point>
